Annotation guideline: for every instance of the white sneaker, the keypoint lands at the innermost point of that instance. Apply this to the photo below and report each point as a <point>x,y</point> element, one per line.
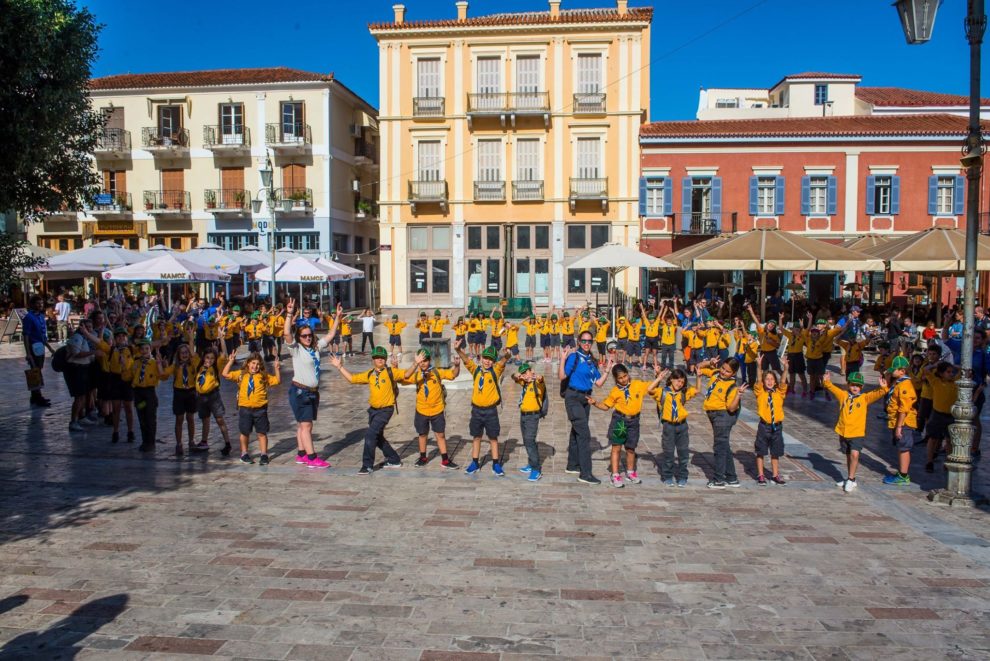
<point>840,484</point>
<point>850,485</point>
<point>616,481</point>
<point>75,426</point>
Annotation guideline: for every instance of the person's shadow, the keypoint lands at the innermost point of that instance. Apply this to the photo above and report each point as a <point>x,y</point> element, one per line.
<point>58,641</point>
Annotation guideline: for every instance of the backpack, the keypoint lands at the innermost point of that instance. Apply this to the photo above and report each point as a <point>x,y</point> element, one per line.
<point>544,400</point>
<point>566,381</point>
<point>60,359</point>
<point>491,370</point>
<point>443,388</point>
<point>395,387</point>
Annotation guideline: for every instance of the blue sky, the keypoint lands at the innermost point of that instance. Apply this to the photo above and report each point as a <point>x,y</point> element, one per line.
<point>694,45</point>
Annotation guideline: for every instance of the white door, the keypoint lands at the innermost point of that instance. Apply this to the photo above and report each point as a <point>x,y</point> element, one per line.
<point>588,165</point>
<point>428,168</point>
<point>232,124</point>
<point>528,82</point>
<point>489,83</point>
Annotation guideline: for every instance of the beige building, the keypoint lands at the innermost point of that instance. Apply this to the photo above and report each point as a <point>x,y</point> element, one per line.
<point>180,156</point>
<point>509,148</point>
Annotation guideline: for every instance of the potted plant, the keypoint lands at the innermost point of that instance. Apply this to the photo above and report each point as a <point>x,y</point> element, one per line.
<point>363,208</point>
<point>239,198</point>
<point>211,199</point>
<point>148,204</point>
<point>300,197</point>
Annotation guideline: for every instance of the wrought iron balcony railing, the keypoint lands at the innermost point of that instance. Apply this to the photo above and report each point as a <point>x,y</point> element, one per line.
<point>301,197</point>
<point>226,137</point>
<point>235,200</point>
<point>288,134</point>
<point>167,201</point>
<point>111,203</point>
<point>154,138</point>
<point>113,141</point>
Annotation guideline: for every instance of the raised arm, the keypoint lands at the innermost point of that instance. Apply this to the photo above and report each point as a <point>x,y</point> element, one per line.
<point>661,375</point>
<point>290,320</point>
<point>336,362</point>
<point>334,324</point>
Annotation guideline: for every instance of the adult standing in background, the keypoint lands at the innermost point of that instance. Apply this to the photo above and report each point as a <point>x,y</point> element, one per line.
<point>579,371</point>
<point>62,311</point>
<point>35,342</point>
<point>367,329</point>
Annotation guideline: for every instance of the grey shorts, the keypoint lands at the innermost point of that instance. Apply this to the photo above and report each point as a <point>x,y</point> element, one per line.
<point>252,419</point>
<point>907,439</point>
<point>938,425</point>
<point>484,421</point>
<point>847,445</point>
<point>423,423</point>
<point>210,404</point>
<point>770,439</point>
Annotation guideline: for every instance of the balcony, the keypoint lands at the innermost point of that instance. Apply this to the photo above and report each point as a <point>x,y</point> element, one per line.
<point>589,103</point>
<point>230,201</point>
<point>508,105</point>
<point>703,223</point>
<point>429,107</point>
<point>227,139</point>
<point>365,154</point>
<point>159,141</point>
<point>111,204</point>
<point>527,190</point>
<point>167,201</point>
<point>489,191</point>
<point>294,200</point>
<point>113,143</point>
<point>286,137</point>
<point>584,189</point>
<point>428,192</point>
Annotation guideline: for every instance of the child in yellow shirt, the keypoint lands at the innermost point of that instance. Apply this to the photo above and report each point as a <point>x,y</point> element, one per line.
<point>208,402</point>
<point>431,404</point>
<point>941,381</point>
<point>531,403</point>
<point>532,328</point>
<point>672,402</point>
<point>851,426</point>
<point>394,328</point>
<point>253,384</point>
<point>486,395</point>
<point>769,392</point>
<point>721,405</point>
<point>144,373</point>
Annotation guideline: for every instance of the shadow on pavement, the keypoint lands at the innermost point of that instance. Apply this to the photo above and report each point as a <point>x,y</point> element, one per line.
<point>59,640</point>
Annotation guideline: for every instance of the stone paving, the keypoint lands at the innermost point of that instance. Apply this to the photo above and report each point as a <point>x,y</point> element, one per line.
<point>110,554</point>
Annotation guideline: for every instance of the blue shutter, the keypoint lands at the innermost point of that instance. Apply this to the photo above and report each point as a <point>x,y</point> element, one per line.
<point>805,195</point>
<point>933,195</point>
<point>779,197</point>
<point>754,193</point>
<point>959,196</point>
<point>895,195</point>
<point>832,196</point>
<point>717,202</point>
<point>871,193</point>
<point>668,196</point>
<point>686,204</point>
<point>642,196</point>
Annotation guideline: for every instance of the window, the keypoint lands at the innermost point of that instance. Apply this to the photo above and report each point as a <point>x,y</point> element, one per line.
<point>542,234</point>
<point>727,103</point>
<point>428,160</point>
<point>527,74</point>
<point>522,277</point>
<point>576,237</point>
<point>654,200</point>
<point>589,73</point>
<point>701,196</point>
<point>818,196</point>
<point>599,236</point>
<point>292,121</point>
<point>359,244</point>
<point>428,77</point>
<point>429,264</point>
<point>233,241</point>
<point>492,234</point>
<point>340,243</point>
<point>489,79</point>
<point>419,238</point>
<point>474,276</point>
<point>474,237</point>
<point>489,165</point>
<point>441,238</point>
<point>821,94</point>
<point>169,121</point>
<point>231,123</point>
<point>766,198</point>
<point>882,194</point>
<point>301,241</point>
<point>576,281</point>
<point>541,278</point>
<point>441,276</point>
<point>945,196</point>
<point>522,237</point>
<point>599,281</point>
<point>493,278</point>
<point>372,244</point>
<point>589,158</point>
<point>528,160</point>
<point>417,276</point>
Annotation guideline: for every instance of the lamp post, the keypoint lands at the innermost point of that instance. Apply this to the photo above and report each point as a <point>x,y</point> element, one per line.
<point>918,19</point>
<point>268,188</point>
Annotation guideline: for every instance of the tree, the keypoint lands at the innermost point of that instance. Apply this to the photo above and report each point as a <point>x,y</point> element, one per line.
<point>14,259</point>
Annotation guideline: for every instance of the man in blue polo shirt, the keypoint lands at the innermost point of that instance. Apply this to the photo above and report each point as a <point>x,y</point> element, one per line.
<point>35,342</point>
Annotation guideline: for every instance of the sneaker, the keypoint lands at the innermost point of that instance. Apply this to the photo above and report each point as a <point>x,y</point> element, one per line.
<point>497,469</point>
<point>422,461</point>
<point>114,437</point>
<point>632,478</point>
<point>682,483</point>
<point>669,482</point>
<point>472,467</point>
<point>225,451</point>
<point>302,459</point>
<point>93,416</point>
<point>525,469</point>
<point>572,471</point>
<point>849,486</point>
<point>364,471</point>
<point>616,481</point>
<point>246,459</point>
<point>449,464</point>
<point>87,421</point>
<point>263,460</point>
<point>317,463</point>
<point>841,483</point>
<point>393,464</point>
<point>761,480</point>
<point>202,446</point>
<point>732,483</point>
<point>715,484</point>
<point>75,426</point>
<point>778,480</point>
<point>930,467</point>
<point>589,479</point>
<point>898,479</point>
<point>534,475</point>
<point>130,437</point>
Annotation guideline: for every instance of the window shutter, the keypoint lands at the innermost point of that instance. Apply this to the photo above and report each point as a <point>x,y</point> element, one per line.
<point>686,204</point>
<point>832,196</point>
<point>871,192</point>
<point>754,194</point>
<point>528,73</point>
<point>668,196</point>
<point>933,195</point>
<point>717,202</point>
<point>779,197</point>
<point>959,196</point>
<point>805,195</point>
<point>642,196</point>
<point>895,195</point>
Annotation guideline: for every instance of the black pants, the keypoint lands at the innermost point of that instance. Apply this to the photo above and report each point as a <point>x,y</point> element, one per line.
<point>667,356</point>
<point>367,338</point>
<point>674,439</point>
<point>146,403</point>
<point>770,360</point>
<point>750,373</point>
<point>722,423</point>
<point>579,445</point>
<point>530,425</point>
<point>374,437</point>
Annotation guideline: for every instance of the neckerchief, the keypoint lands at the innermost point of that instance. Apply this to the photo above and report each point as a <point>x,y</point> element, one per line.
<point>250,388</point>
<point>674,412</point>
<point>890,393</point>
<point>315,357</point>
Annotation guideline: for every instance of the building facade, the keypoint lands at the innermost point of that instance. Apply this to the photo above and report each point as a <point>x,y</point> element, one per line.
<point>509,148</point>
<point>180,156</point>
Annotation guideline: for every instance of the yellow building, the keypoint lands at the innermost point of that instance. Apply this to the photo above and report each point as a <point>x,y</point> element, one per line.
<point>509,147</point>
<point>179,162</point>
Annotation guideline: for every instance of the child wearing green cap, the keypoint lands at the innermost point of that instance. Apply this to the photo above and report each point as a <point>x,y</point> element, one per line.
<point>486,395</point>
<point>431,404</point>
<point>902,418</point>
<point>394,328</point>
<point>851,426</point>
<point>438,323</point>
<point>423,326</point>
<point>531,402</point>
<point>532,327</point>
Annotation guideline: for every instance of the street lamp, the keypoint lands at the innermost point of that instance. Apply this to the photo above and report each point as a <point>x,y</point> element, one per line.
<point>268,188</point>
<point>918,19</point>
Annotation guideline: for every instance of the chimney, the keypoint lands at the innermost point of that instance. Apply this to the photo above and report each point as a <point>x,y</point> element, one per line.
<point>462,6</point>
<point>400,14</point>
<point>623,7</point>
<point>554,8</point>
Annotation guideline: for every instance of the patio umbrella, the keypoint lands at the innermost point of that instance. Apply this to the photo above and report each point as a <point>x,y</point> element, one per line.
<point>348,272</point>
<point>165,268</point>
<point>864,241</point>
<point>937,250</point>
<point>300,269</point>
<point>86,262</point>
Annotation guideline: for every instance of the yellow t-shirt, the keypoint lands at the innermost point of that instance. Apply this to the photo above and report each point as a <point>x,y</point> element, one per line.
<point>498,329</point>
<point>628,400</point>
<point>254,329</point>
<point>601,333</point>
<point>211,330</point>
<point>532,396</point>
<point>232,326</point>
<point>768,341</point>
<point>763,403</point>
<point>795,341</point>
<point>395,327</point>
<point>438,324</point>
<point>719,392</point>
<point>423,325</point>
<point>751,350</point>
<point>118,359</point>
<point>902,401</point>
<point>512,336</point>
<point>475,325</point>
<point>622,328</point>
<point>652,328</point>
<point>460,330</point>
<point>666,398</point>
<point>854,350</point>
<point>208,378</point>
<point>944,393</point>
<point>143,373</point>
<point>633,331</point>
<point>584,325</point>
<point>345,328</point>
<point>712,337</point>
<point>567,326</point>
<point>485,391</point>
<point>252,389</point>
<point>380,387</point>
<point>429,389</point>
<point>852,423</point>
<point>183,376</point>
<point>532,327</point>
<point>668,334</point>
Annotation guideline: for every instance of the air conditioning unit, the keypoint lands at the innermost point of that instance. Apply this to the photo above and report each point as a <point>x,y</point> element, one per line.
<point>357,130</point>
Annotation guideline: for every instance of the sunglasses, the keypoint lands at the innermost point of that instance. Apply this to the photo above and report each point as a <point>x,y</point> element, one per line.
<point>585,341</point>
<point>305,335</point>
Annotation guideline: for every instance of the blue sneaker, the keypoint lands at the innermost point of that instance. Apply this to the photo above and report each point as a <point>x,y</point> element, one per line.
<point>534,475</point>
<point>497,469</point>
<point>896,478</point>
<point>472,467</point>
<point>669,482</point>
<point>525,469</point>
<point>682,483</point>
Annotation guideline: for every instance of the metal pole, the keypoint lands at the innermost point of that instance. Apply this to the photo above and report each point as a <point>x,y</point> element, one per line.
<point>959,463</point>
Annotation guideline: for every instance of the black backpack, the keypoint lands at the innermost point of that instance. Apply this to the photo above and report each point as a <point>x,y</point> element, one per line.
<point>60,359</point>
<point>565,383</point>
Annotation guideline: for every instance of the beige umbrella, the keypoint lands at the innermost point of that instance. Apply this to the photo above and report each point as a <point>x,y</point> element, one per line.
<point>935,250</point>
<point>864,241</point>
<point>685,255</point>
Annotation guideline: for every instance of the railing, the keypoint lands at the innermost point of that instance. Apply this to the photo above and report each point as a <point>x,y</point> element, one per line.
<point>166,201</point>
<point>287,133</point>
<point>489,191</point>
<point>703,223</point>
<point>153,137</point>
<point>111,203</point>
<point>302,198</point>
<point>589,189</point>
<point>366,150</point>
<point>427,191</point>
<point>589,103</point>
<point>527,191</point>
<point>233,199</point>
<point>113,140</point>
<point>232,137</point>
<point>428,106</point>
<point>508,102</point>
<point>524,102</point>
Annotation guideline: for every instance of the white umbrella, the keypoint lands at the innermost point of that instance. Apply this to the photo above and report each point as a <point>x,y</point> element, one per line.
<point>213,256</point>
<point>159,249</point>
<point>165,268</point>
<point>85,262</point>
<point>254,255</point>
<point>300,269</point>
<point>346,271</point>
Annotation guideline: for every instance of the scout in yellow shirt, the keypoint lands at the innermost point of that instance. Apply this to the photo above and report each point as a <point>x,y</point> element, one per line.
<point>208,402</point>
<point>460,330</point>
<point>651,331</point>
<point>902,419</point>
<point>668,341</point>
<point>721,405</point>
<point>394,328</point>
<point>116,363</point>
<point>476,334</point>
<point>769,394</point>
<point>941,380</point>
<point>486,395</point>
<point>817,350</point>
<point>626,398</point>
<point>253,384</point>
<point>233,325</point>
<point>383,389</point>
<point>796,339</point>
<point>431,403</point>
<point>531,403</point>
<point>566,329</point>
<point>853,354</point>
<point>851,426</point>
<point>344,335</point>
<point>254,331</point>
<point>532,328</point>
<point>498,329</point>
<point>183,373</point>
<point>144,373</point>
<point>551,331</point>
<point>512,339</point>
<point>438,323</point>
<point>423,326</point>
<point>672,402</point>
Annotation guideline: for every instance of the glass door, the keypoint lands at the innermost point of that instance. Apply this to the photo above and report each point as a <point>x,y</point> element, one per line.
<point>232,124</point>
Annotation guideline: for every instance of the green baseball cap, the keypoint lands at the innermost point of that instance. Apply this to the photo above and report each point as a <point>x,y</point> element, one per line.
<point>436,313</point>
<point>395,316</point>
<point>820,322</point>
<point>496,315</point>
<point>142,342</point>
<point>379,352</point>
<point>855,379</point>
<point>425,353</point>
<point>899,363</point>
<point>490,353</point>
<point>524,367</point>
<point>256,315</point>
<point>422,313</point>
<point>567,314</point>
<point>236,308</point>
<point>553,317</point>
<point>602,320</point>
<point>120,330</point>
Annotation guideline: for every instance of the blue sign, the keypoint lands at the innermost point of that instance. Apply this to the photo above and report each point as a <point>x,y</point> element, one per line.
<point>104,198</point>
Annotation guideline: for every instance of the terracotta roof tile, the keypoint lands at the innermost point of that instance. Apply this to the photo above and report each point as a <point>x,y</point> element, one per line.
<point>822,74</point>
<point>898,96</point>
<point>811,127</point>
<point>523,19</point>
<point>206,78</point>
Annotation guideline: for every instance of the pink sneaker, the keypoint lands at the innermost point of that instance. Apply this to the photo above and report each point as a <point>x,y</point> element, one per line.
<point>302,459</point>
<point>317,463</point>
<point>632,478</point>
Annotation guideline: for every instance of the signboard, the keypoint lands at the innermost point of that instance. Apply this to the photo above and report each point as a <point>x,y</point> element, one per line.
<point>262,226</point>
<point>114,227</point>
<point>104,199</point>
<point>385,247</point>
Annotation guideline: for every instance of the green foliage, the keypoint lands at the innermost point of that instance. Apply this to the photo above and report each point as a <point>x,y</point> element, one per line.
<point>13,259</point>
<point>47,127</point>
